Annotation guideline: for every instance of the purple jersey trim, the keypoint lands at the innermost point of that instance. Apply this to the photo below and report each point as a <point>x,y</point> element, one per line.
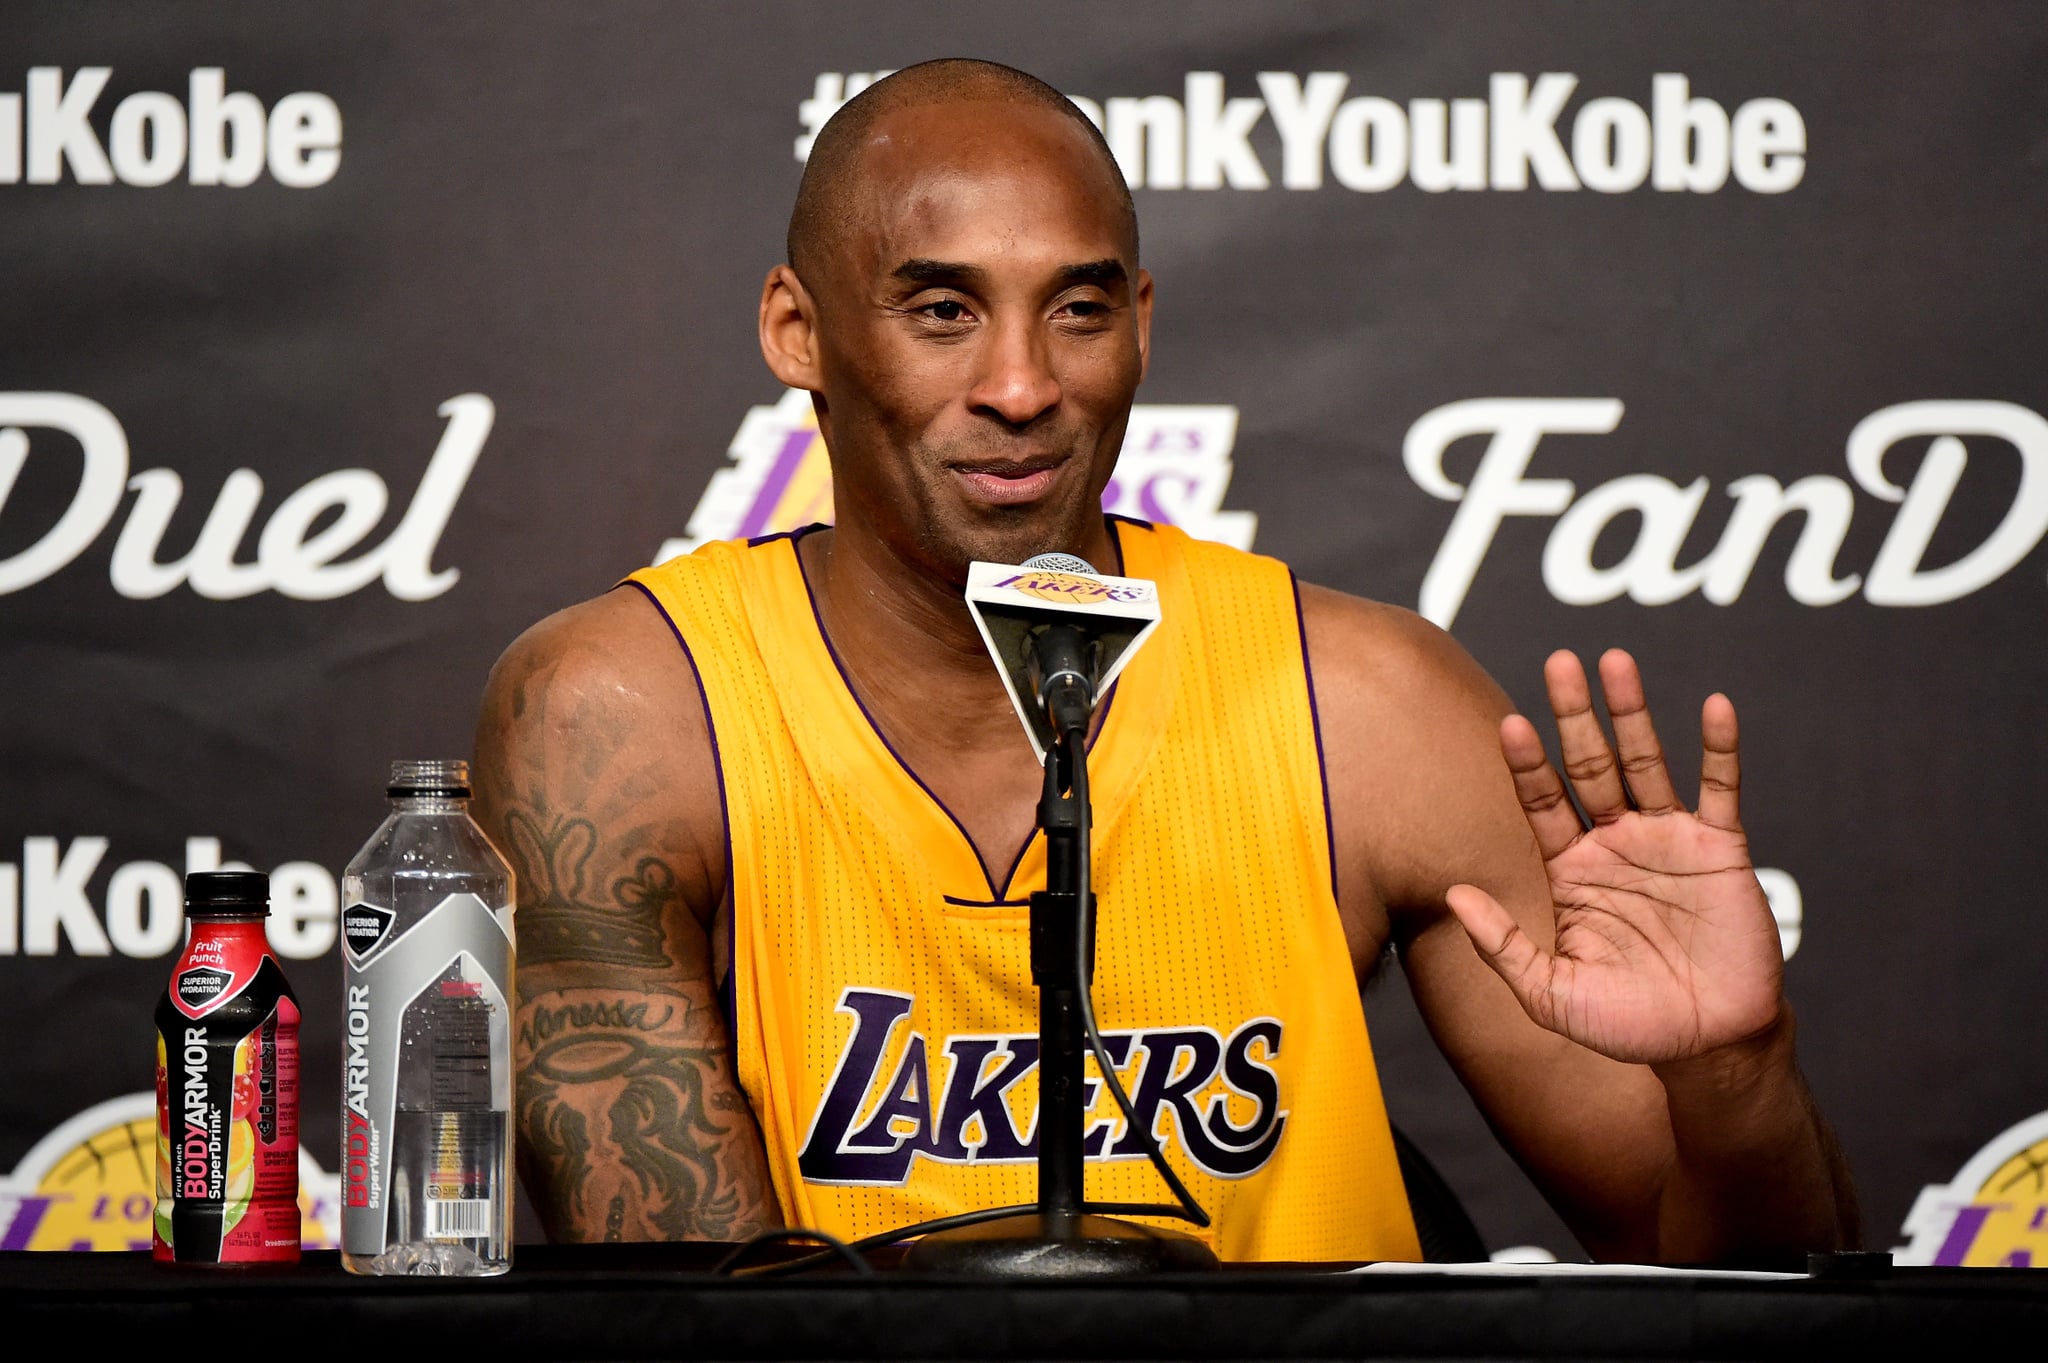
<point>1315,719</point>
<point>728,1001</point>
<point>995,890</point>
<point>757,541</point>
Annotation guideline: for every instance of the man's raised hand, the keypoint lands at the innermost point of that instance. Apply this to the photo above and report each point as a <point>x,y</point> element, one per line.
<point>1665,947</point>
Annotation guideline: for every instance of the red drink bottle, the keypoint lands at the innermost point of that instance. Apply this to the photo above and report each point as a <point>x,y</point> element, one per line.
<point>227,1085</point>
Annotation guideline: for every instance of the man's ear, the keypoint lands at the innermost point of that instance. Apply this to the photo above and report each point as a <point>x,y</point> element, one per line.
<point>1143,301</point>
<point>789,332</point>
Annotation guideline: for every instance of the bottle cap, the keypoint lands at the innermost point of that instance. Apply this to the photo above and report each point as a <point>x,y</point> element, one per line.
<point>227,894</point>
<point>446,777</point>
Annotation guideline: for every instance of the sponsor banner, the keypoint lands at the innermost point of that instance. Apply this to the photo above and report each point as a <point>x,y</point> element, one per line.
<point>341,346</point>
<point>1658,515</point>
<point>297,545</point>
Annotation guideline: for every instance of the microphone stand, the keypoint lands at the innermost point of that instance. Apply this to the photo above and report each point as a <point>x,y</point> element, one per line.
<point>1061,1238</point>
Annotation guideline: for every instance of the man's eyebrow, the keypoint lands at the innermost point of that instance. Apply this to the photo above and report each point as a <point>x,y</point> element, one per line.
<point>922,271</point>
<point>919,270</point>
<point>1102,273</point>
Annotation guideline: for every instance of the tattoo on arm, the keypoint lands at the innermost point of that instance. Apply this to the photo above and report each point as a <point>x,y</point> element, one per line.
<point>610,1076</point>
<point>632,1123</point>
<point>558,922</point>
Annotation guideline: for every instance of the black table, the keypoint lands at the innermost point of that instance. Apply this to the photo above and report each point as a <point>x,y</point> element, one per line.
<point>665,1302</point>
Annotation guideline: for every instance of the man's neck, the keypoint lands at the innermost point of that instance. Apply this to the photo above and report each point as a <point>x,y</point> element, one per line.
<point>871,602</point>
<point>906,641</point>
<point>906,638</point>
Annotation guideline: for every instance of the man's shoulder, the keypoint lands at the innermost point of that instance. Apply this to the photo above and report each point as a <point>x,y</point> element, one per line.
<point>1386,653</point>
<point>612,655</point>
<point>1410,725</point>
<point>593,751</point>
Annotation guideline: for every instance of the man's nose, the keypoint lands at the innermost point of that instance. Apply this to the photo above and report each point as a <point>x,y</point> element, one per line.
<point>1016,380</point>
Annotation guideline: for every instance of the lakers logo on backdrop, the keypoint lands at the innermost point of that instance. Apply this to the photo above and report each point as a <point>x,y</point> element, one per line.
<point>1994,1212</point>
<point>91,1185</point>
<point>1173,470</point>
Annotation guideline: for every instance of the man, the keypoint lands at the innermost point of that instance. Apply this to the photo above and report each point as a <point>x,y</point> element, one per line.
<point>759,803</point>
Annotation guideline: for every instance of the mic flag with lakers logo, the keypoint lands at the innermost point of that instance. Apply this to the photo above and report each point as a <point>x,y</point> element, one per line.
<point>1015,604</point>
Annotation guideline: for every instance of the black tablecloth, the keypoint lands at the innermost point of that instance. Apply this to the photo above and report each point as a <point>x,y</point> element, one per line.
<point>665,1302</point>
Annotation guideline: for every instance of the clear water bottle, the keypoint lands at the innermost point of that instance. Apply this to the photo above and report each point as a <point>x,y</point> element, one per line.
<point>427,956</point>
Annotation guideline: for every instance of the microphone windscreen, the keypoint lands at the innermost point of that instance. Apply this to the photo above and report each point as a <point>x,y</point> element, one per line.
<point>1059,563</point>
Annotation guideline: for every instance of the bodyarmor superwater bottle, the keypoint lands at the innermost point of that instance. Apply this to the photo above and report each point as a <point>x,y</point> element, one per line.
<point>227,1085</point>
<point>426,928</point>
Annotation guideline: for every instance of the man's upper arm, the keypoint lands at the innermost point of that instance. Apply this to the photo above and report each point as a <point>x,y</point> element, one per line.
<point>1421,800</point>
<point>594,774</point>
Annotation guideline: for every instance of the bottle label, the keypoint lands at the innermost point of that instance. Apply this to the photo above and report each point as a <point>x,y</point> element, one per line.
<point>201,988</point>
<point>427,1033</point>
<point>227,1102</point>
<point>363,927</point>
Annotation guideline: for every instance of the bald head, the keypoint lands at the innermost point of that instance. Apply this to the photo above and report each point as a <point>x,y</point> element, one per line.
<point>830,198</point>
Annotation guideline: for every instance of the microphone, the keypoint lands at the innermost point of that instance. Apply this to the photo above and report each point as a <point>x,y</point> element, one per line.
<point>1059,632</point>
<point>1063,672</point>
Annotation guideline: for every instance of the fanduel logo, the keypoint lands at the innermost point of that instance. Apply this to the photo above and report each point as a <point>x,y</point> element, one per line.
<point>1515,137</point>
<point>293,557</point>
<point>45,899</point>
<point>1217,1097</point>
<point>1664,512</point>
<point>1173,469</point>
<point>212,137</point>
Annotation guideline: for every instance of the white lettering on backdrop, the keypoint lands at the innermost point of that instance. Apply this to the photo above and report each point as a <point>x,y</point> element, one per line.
<point>46,901</point>
<point>1649,572</point>
<point>292,558</point>
<point>213,136</point>
<point>1515,137</point>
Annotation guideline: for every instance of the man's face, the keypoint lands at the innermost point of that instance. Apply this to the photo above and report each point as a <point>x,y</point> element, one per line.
<point>981,329</point>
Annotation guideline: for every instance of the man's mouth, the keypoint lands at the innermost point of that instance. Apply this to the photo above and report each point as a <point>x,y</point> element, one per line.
<point>1009,482</point>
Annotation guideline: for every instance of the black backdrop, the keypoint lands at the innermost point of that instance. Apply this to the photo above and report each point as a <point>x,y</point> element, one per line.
<point>481,281</point>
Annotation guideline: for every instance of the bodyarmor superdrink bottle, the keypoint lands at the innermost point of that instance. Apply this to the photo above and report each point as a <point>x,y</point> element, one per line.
<point>227,1085</point>
<point>426,927</point>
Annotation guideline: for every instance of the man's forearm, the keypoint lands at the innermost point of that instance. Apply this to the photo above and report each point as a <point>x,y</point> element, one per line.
<point>631,1124</point>
<point>1757,1171</point>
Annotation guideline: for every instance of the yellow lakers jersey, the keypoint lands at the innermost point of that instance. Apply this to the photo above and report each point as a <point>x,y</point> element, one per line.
<point>884,1016</point>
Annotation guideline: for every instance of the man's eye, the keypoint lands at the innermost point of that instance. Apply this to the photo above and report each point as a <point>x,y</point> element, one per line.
<point>947,310</point>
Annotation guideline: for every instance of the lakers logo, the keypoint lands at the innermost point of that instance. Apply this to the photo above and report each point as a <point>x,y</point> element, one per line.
<point>1993,1213</point>
<point>897,1097</point>
<point>1067,588</point>
<point>1173,470</point>
<point>91,1185</point>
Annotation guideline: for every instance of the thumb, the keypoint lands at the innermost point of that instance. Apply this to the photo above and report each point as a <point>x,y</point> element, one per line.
<point>1502,944</point>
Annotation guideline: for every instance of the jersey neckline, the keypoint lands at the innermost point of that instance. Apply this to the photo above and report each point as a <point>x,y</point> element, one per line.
<point>1125,734</point>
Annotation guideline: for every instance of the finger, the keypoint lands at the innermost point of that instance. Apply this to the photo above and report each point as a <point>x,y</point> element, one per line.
<point>1642,756</point>
<point>1588,761</point>
<point>1544,802</point>
<point>1720,764</point>
<point>1501,943</point>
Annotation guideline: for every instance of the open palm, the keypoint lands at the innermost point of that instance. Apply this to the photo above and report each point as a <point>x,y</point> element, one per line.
<point>1665,946</point>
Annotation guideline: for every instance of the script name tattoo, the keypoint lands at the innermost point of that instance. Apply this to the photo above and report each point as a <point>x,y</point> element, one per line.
<point>645,1100</point>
